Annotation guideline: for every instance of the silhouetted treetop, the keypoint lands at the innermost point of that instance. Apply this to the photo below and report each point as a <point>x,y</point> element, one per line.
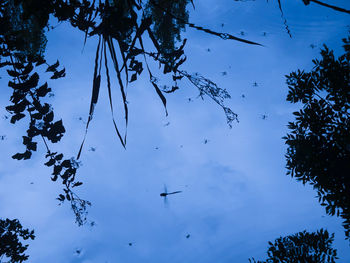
<point>302,247</point>
<point>12,235</point>
<point>319,138</point>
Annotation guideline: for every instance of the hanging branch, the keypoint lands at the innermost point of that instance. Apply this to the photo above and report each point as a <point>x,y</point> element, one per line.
<point>307,2</point>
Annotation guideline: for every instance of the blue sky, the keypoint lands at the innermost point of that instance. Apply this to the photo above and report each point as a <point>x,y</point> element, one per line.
<point>236,196</point>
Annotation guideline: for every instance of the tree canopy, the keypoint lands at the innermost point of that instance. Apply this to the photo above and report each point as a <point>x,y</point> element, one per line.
<point>302,247</point>
<point>12,235</point>
<point>319,141</point>
<point>319,138</point>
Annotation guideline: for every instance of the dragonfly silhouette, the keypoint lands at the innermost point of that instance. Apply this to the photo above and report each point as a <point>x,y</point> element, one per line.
<point>165,194</point>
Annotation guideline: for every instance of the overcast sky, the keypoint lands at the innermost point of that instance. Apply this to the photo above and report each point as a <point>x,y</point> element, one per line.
<point>236,196</point>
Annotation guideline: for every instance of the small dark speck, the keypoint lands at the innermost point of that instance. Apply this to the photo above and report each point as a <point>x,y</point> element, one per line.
<point>255,84</point>
<point>2,137</point>
<point>130,244</point>
<point>206,141</point>
<point>188,236</point>
<point>51,95</point>
<point>81,119</point>
<point>181,146</point>
<point>312,46</point>
<point>167,124</point>
<point>157,148</point>
<point>264,117</point>
<point>31,183</point>
<point>242,33</point>
<point>92,149</point>
<point>190,100</point>
<point>264,34</point>
<point>208,49</point>
<point>243,96</point>
<point>222,24</point>
<point>224,73</point>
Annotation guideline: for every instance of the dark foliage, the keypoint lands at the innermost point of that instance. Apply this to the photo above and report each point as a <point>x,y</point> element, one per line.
<point>121,27</point>
<point>302,247</point>
<point>319,139</point>
<point>11,236</point>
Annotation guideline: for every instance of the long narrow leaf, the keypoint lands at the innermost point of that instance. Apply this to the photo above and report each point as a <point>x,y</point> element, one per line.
<point>95,92</point>
<point>159,92</point>
<point>110,95</point>
<point>121,85</point>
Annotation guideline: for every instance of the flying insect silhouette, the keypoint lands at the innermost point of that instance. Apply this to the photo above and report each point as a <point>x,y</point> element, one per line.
<point>166,193</point>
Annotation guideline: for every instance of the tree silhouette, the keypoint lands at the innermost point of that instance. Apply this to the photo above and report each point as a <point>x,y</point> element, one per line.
<point>11,236</point>
<point>302,247</point>
<point>121,26</point>
<point>319,138</point>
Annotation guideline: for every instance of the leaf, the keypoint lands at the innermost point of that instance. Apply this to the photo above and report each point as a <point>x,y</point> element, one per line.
<point>19,156</point>
<point>77,184</point>
<point>57,169</point>
<point>54,178</point>
<point>59,157</point>
<point>59,74</point>
<point>66,163</point>
<point>13,73</point>
<point>27,69</point>
<point>49,117</point>
<point>37,116</point>
<point>110,98</point>
<point>43,90</point>
<point>53,67</point>
<point>94,97</point>
<point>17,117</point>
<point>40,61</point>
<point>121,86</point>
<point>26,85</point>
<point>133,77</point>
<point>50,162</point>
<point>160,94</point>
<point>61,197</point>
<point>32,146</point>
<point>56,131</point>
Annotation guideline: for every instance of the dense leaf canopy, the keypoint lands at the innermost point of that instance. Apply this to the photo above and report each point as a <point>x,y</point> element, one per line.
<point>302,247</point>
<point>319,139</point>
<point>11,235</point>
